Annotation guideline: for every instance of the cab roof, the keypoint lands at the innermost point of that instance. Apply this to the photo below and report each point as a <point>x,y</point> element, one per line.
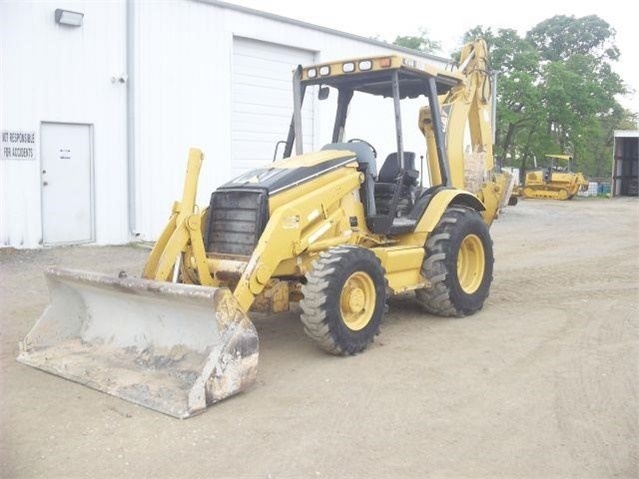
<point>373,75</point>
<point>560,157</point>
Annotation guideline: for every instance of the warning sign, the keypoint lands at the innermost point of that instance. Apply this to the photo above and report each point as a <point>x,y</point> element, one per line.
<point>18,145</point>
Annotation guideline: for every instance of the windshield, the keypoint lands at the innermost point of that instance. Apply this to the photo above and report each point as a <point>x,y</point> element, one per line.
<point>342,117</point>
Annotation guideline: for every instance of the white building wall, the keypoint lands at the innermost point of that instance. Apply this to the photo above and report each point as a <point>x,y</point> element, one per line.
<point>182,101</point>
<point>53,73</point>
<point>182,94</point>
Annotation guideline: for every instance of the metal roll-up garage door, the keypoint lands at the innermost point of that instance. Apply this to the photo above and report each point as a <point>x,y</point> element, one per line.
<point>263,101</point>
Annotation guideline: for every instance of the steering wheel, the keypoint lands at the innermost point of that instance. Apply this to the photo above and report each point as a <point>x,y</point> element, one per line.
<point>359,140</point>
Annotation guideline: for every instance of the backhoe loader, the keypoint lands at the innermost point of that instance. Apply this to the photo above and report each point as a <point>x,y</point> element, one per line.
<point>328,229</point>
<point>553,181</point>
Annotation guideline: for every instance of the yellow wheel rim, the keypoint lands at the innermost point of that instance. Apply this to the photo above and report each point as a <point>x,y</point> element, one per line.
<point>471,264</point>
<point>357,301</point>
<point>563,194</point>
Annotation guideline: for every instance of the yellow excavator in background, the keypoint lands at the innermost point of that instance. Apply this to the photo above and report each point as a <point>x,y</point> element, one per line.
<point>554,181</point>
<point>327,229</point>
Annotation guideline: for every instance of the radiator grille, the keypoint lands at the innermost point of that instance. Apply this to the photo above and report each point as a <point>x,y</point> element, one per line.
<point>236,221</point>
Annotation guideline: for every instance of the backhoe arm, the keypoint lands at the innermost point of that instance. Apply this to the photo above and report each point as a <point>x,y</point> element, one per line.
<point>468,103</point>
<point>471,168</point>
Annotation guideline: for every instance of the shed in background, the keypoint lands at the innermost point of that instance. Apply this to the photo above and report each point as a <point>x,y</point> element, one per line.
<point>625,163</point>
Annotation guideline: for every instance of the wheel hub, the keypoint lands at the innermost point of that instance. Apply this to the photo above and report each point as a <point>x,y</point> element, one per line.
<point>357,301</point>
<point>471,263</point>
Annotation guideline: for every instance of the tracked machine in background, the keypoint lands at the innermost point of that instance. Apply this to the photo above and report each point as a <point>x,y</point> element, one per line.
<point>326,228</point>
<point>554,181</point>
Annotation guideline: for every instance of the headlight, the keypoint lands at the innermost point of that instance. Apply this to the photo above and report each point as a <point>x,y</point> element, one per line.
<point>311,72</point>
<point>348,67</point>
<point>365,65</point>
<point>325,70</point>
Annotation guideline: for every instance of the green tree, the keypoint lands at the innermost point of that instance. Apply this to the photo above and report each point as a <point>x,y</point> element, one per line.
<point>556,91</point>
<point>560,37</point>
<point>419,42</point>
<point>579,83</point>
<point>598,141</point>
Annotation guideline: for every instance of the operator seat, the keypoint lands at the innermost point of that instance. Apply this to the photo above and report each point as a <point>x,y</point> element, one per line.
<point>390,169</point>
<point>367,165</point>
<point>387,181</point>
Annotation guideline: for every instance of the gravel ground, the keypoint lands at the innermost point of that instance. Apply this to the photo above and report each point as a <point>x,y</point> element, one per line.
<point>541,383</point>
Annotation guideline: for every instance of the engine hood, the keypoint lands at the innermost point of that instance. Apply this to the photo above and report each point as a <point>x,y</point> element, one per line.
<point>286,173</point>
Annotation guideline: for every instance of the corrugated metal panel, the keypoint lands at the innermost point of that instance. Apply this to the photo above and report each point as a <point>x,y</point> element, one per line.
<point>182,100</point>
<point>262,105</point>
<point>184,97</point>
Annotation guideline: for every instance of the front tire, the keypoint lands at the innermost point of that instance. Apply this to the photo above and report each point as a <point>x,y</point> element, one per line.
<point>344,300</point>
<point>458,263</point>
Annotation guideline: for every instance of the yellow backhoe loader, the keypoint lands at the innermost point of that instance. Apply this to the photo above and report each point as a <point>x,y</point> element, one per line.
<point>327,229</point>
<point>554,182</point>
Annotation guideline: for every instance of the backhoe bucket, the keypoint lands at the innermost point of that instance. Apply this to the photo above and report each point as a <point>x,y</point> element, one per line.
<point>175,348</point>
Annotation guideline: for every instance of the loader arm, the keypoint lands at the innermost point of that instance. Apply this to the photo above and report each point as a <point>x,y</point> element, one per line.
<point>309,217</point>
<point>182,229</point>
<point>296,226</point>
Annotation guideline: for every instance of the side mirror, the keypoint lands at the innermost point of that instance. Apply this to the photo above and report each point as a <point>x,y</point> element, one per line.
<point>323,93</point>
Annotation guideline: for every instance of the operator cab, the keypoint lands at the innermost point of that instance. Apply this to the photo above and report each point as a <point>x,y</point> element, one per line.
<point>391,192</point>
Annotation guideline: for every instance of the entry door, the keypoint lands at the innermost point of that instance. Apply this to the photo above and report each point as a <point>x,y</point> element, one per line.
<point>67,183</point>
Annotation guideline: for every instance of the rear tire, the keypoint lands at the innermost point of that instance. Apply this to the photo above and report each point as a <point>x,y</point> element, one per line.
<point>344,300</point>
<point>458,263</point>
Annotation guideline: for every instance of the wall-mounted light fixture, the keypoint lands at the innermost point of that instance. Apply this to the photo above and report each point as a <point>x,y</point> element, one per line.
<point>69,18</point>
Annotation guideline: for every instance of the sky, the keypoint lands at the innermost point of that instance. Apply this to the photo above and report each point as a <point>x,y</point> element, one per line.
<point>446,21</point>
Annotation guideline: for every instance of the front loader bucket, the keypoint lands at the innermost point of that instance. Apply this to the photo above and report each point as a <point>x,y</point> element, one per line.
<point>175,348</point>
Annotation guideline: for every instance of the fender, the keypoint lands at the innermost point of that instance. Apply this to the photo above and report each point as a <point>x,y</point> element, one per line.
<point>442,200</point>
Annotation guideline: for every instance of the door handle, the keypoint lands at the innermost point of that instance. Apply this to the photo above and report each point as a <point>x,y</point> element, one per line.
<point>45,183</point>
